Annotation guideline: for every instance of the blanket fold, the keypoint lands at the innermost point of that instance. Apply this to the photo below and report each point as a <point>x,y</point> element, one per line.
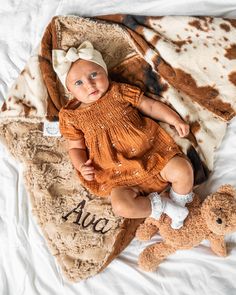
<point>186,62</point>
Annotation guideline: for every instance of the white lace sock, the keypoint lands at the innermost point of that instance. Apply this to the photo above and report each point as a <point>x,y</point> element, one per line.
<point>181,200</point>
<point>161,205</point>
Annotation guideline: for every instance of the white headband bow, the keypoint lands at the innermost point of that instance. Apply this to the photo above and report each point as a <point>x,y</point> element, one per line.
<point>63,60</point>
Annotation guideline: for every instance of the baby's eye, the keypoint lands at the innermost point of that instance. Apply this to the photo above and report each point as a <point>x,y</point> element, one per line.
<point>78,83</point>
<point>94,75</point>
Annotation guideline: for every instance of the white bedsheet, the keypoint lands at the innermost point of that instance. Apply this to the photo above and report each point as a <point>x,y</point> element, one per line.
<point>26,266</point>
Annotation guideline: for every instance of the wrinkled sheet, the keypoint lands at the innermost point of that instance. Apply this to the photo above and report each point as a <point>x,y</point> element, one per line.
<point>26,266</point>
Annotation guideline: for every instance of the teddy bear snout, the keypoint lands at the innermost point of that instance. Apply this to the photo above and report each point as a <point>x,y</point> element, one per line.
<point>219,220</point>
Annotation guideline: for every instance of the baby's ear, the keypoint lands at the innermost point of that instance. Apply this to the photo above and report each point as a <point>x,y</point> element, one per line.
<point>227,189</point>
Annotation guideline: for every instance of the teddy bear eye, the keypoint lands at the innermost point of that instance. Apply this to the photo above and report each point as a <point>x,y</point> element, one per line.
<point>219,220</point>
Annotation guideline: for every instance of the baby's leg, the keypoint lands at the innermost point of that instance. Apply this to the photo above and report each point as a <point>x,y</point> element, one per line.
<point>127,202</point>
<point>178,171</point>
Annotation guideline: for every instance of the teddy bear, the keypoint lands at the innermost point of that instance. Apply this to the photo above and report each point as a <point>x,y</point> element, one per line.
<point>210,219</point>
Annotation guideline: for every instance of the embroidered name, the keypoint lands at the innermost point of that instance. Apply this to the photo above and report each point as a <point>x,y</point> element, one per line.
<point>85,220</point>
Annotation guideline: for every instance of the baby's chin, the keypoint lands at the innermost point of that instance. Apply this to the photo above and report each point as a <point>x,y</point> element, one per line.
<point>89,100</point>
<point>95,97</point>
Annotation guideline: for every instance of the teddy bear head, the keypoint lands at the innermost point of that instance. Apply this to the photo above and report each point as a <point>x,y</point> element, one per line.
<point>219,210</point>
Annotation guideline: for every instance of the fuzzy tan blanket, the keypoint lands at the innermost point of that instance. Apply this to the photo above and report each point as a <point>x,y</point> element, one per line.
<point>187,62</point>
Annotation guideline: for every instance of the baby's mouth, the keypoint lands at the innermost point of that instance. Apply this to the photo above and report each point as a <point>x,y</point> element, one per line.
<point>94,92</point>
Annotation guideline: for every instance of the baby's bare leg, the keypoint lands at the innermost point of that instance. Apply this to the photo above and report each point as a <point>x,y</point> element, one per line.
<point>178,171</point>
<point>127,202</point>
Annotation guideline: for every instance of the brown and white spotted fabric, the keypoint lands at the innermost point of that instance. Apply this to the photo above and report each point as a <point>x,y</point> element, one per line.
<point>187,62</point>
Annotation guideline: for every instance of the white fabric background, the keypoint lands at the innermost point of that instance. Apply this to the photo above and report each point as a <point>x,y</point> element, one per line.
<point>26,266</point>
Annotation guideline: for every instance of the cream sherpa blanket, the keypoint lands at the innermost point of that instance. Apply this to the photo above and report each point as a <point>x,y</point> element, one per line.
<point>187,62</point>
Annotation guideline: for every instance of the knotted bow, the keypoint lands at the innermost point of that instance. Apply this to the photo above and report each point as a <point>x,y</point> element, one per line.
<point>63,60</point>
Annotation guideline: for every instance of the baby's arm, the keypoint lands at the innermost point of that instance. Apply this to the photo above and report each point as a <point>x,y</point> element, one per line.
<point>160,111</point>
<point>79,158</point>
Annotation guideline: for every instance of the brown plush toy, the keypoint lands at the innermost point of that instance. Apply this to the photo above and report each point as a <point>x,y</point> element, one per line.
<point>211,219</point>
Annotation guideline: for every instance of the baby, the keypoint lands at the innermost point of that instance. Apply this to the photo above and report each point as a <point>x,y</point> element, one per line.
<point>115,146</point>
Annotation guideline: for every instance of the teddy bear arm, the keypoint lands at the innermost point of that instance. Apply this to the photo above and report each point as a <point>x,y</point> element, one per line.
<point>146,231</point>
<point>218,244</point>
<point>196,201</point>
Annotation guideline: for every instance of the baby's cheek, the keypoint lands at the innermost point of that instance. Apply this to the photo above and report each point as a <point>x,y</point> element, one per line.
<point>79,94</point>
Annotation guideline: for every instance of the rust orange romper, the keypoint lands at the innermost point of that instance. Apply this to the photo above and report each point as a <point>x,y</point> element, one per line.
<point>127,148</point>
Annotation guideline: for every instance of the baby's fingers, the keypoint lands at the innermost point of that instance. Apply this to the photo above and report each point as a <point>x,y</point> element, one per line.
<point>179,130</point>
<point>183,130</point>
<point>186,130</point>
<point>88,162</point>
<point>89,177</point>
<point>88,169</point>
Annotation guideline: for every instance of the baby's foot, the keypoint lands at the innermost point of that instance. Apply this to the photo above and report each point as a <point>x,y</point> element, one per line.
<point>177,213</point>
<point>178,222</point>
<point>165,205</point>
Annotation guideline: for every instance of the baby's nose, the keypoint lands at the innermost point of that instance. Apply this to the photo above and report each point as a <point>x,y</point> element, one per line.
<point>89,84</point>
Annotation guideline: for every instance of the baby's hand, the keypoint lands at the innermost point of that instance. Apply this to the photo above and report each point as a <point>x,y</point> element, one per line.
<point>87,170</point>
<point>181,127</point>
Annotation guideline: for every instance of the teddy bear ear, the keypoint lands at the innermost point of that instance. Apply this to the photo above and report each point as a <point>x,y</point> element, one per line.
<point>227,189</point>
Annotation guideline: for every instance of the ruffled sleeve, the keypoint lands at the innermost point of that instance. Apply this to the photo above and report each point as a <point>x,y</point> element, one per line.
<point>131,94</point>
<point>67,128</point>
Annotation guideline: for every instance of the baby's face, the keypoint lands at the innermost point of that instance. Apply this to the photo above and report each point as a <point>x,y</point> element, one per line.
<point>87,81</point>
